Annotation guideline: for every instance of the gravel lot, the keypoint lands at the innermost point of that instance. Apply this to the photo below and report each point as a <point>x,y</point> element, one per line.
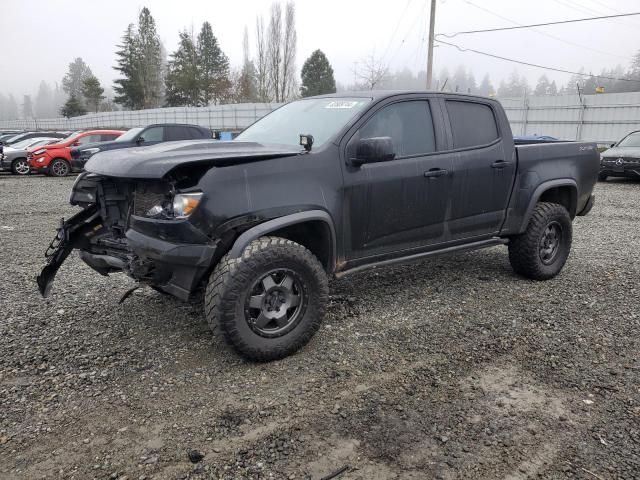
<point>453,368</point>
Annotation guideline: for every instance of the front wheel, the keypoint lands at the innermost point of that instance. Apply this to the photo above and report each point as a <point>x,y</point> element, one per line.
<point>542,250</point>
<point>20,166</point>
<point>59,168</point>
<point>602,177</point>
<point>269,302</point>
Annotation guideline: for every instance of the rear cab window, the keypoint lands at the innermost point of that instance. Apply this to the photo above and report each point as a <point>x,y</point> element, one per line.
<point>473,124</point>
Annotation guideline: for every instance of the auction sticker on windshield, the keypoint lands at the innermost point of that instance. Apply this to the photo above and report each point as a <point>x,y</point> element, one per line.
<point>341,104</point>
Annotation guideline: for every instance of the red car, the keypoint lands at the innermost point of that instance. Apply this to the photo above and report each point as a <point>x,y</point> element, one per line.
<point>55,159</point>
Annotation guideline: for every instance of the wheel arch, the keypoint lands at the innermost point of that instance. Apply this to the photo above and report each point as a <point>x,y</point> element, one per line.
<point>562,191</point>
<point>313,229</point>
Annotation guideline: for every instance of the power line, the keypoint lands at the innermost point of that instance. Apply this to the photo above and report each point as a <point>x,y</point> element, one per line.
<point>568,42</point>
<point>588,19</point>
<point>554,69</point>
<point>395,30</point>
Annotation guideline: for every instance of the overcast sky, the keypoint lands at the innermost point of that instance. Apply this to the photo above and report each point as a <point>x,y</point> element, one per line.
<point>40,37</point>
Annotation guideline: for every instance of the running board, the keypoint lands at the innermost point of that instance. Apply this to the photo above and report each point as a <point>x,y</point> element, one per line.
<point>492,242</point>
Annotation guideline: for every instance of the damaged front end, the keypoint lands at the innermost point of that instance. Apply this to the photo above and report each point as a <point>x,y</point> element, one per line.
<point>103,233</point>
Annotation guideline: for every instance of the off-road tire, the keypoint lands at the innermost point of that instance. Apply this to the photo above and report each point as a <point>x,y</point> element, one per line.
<point>525,250</point>
<point>17,167</point>
<point>59,168</point>
<point>230,284</point>
<point>602,177</point>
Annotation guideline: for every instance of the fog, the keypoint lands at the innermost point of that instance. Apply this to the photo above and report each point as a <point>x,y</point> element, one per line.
<point>40,38</point>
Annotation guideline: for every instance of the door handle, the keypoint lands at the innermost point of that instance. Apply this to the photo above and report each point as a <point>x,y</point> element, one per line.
<point>500,164</point>
<point>436,172</point>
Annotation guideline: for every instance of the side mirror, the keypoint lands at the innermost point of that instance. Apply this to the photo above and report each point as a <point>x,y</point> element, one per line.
<point>76,143</point>
<point>139,140</point>
<point>373,150</point>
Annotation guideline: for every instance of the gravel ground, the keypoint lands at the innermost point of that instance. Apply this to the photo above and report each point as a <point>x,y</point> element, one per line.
<point>452,368</point>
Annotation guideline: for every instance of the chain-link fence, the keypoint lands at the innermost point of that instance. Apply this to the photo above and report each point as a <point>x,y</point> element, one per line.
<point>601,118</point>
<point>597,118</point>
<point>217,117</point>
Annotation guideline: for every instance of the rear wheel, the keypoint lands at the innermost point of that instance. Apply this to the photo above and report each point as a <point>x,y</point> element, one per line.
<point>268,303</point>
<point>59,168</point>
<point>542,250</point>
<point>20,166</point>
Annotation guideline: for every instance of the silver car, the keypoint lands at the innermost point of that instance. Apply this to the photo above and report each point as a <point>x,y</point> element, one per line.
<point>14,158</point>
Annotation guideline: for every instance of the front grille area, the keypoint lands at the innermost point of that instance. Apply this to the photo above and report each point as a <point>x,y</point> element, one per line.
<point>147,195</point>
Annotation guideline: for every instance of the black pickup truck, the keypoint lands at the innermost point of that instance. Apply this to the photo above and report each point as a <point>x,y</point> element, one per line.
<point>323,187</point>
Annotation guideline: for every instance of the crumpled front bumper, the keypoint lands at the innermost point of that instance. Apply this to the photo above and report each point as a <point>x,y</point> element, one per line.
<point>177,267</point>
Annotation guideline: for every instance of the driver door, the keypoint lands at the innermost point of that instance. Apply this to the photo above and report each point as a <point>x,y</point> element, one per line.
<point>401,204</point>
<point>151,136</point>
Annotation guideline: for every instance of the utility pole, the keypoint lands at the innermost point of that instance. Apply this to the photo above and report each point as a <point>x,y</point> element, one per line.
<point>432,24</point>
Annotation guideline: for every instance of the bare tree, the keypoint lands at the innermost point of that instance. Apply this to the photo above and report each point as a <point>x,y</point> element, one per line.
<point>371,72</point>
<point>289,41</point>
<point>274,51</point>
<point>276,54</point>
<point>262,70</point>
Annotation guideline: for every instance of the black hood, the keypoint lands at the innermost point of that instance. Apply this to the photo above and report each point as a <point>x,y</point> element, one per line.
<point>103,146</point>
<point>157,160</point>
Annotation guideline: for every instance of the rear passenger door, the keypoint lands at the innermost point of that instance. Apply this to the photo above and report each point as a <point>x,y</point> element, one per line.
<point>483,169</point>
<point>176,132</point>
<point>400,204</point>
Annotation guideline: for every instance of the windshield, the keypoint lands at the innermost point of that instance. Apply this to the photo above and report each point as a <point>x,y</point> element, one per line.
<point>320,117</point>
<point>129,135</point>
<point>24,143</point>
<point>632,140</point>
<point>70,137</point>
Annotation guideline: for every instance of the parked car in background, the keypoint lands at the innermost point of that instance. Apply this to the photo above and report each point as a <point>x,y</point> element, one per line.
<point>522,139</point>
<point>140,137</point>
<point>622,159</point>
<point>30,134</point>
<point>55,159</point>
<point>15,157</point>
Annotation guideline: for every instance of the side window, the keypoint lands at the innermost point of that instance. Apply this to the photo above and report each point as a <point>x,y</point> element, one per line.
<point>153,134</point>
<point>89,139</point>
<point>472,124</point>
<point>196,133</point>
<point>176,133</point>
<point>107,137</point>
<point>409,124</point>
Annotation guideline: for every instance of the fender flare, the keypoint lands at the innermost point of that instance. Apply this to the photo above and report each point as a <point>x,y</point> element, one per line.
<point>540,189</point>
<point>264,228</point>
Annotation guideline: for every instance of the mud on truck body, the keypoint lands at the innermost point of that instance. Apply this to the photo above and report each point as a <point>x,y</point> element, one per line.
<point>323,187</point>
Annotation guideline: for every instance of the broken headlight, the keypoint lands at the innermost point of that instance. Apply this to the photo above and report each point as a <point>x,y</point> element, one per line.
<point>181,205</point>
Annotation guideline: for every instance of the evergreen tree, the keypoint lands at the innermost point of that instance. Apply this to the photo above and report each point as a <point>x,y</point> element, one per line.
<point>486,87</point>
<point>543,86</point>
<point>27,107</point>
<point>140,62</point>
<point>77,74</point>
<point>215,85</point>
<point>317,75</point>
<point>149,60</point>
<point>553,88</point>
<point>182,80</point>
<point>128,89</point>
<point>92,92</point>
<point>245,83</point>
<point>73,108</point>
<point>246,86</point>
<point>44,101</point>
<point>459,80</point>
